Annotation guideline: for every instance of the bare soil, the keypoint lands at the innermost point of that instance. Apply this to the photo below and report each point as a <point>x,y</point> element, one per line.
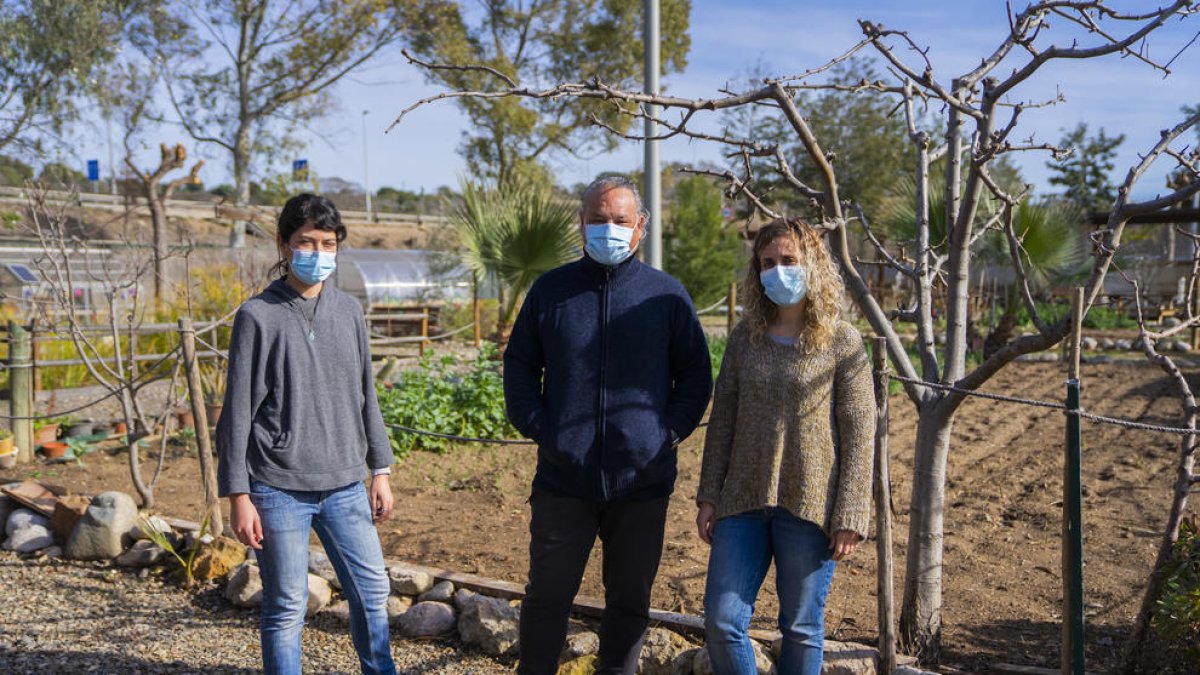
<point>466,511</point>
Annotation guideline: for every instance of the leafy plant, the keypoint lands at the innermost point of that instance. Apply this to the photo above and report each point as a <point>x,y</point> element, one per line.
<point>212,379</point>
<point>163,540</point>
<point>5,433</point>
<point>1176,614</point>
<point>445,396</point>
<point>77,448</point>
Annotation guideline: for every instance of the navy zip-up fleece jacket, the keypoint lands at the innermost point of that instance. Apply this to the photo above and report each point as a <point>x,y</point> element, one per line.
<point>604,363</point>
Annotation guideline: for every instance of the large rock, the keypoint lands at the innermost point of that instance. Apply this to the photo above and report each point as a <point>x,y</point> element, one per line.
<point>104,528</point>
<point>764,665</point>
<point>659,651</point>
<point>20,518</point>
<point>7,506</point>
<point>408,581</point>
<point>245,586</point>
<point>909,670</point>
<point>68,511</point>
<point>463,596</point>
<point>581,644</point>
<point>683,664</point>
<point>849,658</point>
<point>490,624</point>
<point>397,605</point>
<point>319,594</point>
<point>427,619</point>
<point>339,611</point>
<point>30,538</point>
<point>584,665</point>
<point>443,591</point>
<point>218,558</point>
<point>319,564</point>
<point>143,553</point>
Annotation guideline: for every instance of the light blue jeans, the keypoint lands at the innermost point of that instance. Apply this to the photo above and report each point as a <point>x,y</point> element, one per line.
<point>742,549</point>
<point>342,519</point>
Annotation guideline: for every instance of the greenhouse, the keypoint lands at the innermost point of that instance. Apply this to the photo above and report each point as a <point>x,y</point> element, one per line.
<point>392,277</point>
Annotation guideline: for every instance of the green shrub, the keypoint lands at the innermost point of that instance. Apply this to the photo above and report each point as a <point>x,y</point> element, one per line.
<point>716,352</point>
<point>446,396</point>
<point>1176,614</point>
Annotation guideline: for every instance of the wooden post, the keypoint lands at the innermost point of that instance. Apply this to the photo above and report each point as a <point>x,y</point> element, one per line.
<point>882,491</point>
<point>20,383</point>
<point>208,468</point>
<point>478,313</point>
<point>33,353</point>
<point>1072,522</point>
<point>731,311</point>
<point>424,333</point>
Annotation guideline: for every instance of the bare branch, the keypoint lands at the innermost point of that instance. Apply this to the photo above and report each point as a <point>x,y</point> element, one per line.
<point>476,68</point>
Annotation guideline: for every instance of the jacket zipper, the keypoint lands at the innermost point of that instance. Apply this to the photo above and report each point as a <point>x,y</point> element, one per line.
<point>601,422</point>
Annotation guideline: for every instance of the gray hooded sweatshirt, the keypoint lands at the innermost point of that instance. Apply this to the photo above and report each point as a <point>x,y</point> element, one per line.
<point>300,407</point>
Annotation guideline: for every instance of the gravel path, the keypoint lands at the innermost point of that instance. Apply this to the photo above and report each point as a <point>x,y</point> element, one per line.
<point>59,616</point>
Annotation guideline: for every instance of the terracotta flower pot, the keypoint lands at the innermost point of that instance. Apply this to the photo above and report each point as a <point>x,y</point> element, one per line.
<point>213,412</point>
<point>186,419</point>
<point>47,434</point>
<point>54,449</point>
<point>120,428</point>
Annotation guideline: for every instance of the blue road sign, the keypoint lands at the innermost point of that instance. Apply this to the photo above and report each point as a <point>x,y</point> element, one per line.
<point>300,169</point>
<point>93,169</point>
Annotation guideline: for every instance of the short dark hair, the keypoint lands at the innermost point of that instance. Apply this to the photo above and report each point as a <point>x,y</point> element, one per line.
<point>309,208</point>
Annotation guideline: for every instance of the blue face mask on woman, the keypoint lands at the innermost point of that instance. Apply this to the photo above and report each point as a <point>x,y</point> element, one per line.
<point>785,285</point>
<point>608,244</point>
<point>313,267</point>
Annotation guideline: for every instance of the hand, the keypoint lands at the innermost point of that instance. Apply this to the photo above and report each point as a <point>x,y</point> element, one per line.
<point>381,497</point>
<point>243,517</point>
<point>705,521</point>
<point>843,543</point>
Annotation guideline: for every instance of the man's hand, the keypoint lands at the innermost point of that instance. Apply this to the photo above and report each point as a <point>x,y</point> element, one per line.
<point>243,517</point>
<point>705,521</point>
<point>381,497</point>
<point>843,543</point>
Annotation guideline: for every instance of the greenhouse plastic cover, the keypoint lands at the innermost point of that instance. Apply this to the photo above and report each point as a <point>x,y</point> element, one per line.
<point>384,276</point>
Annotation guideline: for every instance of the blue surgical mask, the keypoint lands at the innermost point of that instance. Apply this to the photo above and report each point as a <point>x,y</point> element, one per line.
<point>608,244</point>
<point>785,285</point>
<point>313,267</point>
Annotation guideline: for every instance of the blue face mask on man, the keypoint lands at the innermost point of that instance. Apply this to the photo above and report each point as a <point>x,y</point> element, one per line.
<point>313,267</point>
<point>608,244</point>
<point>785,285</point>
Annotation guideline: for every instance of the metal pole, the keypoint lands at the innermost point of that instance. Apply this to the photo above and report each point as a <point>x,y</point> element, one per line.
<point>1072,549</point>
<point>112,158</point>
<point>208,468</point>
<point>882,490</point>
<point>653,179</point>
<point>366,176</point>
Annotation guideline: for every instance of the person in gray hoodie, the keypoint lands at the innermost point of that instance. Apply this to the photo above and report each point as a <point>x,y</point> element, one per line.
<point>300,428</point>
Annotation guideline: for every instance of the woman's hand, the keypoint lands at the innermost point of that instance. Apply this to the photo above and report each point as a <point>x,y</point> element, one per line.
<point>381,497</point>
<point>843,543</point>
<point>243,517</point>
<point>705,520</point>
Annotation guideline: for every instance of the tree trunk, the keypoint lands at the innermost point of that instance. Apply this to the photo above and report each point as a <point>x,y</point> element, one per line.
<point>158,215</point>
<point>241,178</point>
<point>921,611</point>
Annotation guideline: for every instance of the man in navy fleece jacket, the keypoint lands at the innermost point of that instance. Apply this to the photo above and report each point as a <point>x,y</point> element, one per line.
<point>607,369</point>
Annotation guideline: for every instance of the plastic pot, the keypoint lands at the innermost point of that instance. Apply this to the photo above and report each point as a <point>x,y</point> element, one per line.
<point>81,428</point>
<point>213,412</point>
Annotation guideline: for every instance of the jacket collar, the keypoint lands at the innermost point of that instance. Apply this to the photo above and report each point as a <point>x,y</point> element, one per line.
<point>599,272</point>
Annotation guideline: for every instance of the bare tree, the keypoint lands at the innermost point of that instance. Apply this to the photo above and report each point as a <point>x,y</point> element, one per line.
<point>156,194</point>
<point>976,114</point>
<point>71,272</point>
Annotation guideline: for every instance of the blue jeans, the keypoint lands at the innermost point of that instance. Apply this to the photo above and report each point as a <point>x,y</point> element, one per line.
<point>742,549</point>
<point>342,519</point>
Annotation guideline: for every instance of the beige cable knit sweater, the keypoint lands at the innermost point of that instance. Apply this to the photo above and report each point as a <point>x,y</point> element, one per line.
<point>793,430</point>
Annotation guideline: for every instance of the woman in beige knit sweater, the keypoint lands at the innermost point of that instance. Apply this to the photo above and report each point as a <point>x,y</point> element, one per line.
<point>786,474</point>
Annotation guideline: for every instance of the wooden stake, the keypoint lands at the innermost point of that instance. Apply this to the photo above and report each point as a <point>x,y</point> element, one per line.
<point>882,491</point>
<point>731,311</point>
<point>20,383</point>
<point>208,468</point>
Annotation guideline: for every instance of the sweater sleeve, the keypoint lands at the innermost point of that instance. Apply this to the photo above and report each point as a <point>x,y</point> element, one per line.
<point>523,365</point>
<point>691,370</point>
<point>245,390</point>
<point>379,445</point>
<point>718,442</point>
<point>854,410</point>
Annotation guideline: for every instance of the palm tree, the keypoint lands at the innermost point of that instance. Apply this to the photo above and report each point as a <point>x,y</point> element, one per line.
<point>513,233</point>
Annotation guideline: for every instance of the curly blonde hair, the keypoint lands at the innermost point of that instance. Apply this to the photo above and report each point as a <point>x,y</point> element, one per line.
<point>825,287</point>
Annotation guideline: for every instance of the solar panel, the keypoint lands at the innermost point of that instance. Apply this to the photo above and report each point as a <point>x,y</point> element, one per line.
<point>23,273</point>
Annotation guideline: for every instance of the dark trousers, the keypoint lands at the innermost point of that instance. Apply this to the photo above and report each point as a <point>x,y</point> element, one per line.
<point>562,532</point>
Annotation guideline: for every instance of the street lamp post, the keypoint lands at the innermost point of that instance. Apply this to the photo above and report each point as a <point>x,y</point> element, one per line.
<point>366,175</point>
<point>653,180</point>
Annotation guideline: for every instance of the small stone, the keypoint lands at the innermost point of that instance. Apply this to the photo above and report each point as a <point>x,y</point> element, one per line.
<point>340,611</point>
<point>218,558</point>
<point>1108,343</point>
<point>245,586</point>
<point>408,581</point>
<point>318,564</point>
<point>53,552</point>
<point>1171,322</point>
<point>192,537</point>
<point>659,651</point>
<point>319,594</point>
<point>1089,343</point>
<point>1099,359</point>
<point>32,537</point>
<point>490,625</point>
<point>154,523</point>
<point>1182,346</point>
<point>427,619</point>
<point>23,518</point>
<point>103,530</point>
<point>143,553</point>
<point>581,644</point>
<point>397,605</point>
<point>1123,345</point>
<point>443,591</point>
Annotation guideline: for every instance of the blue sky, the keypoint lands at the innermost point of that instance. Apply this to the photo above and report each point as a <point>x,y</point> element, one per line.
<point>729,38</point>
